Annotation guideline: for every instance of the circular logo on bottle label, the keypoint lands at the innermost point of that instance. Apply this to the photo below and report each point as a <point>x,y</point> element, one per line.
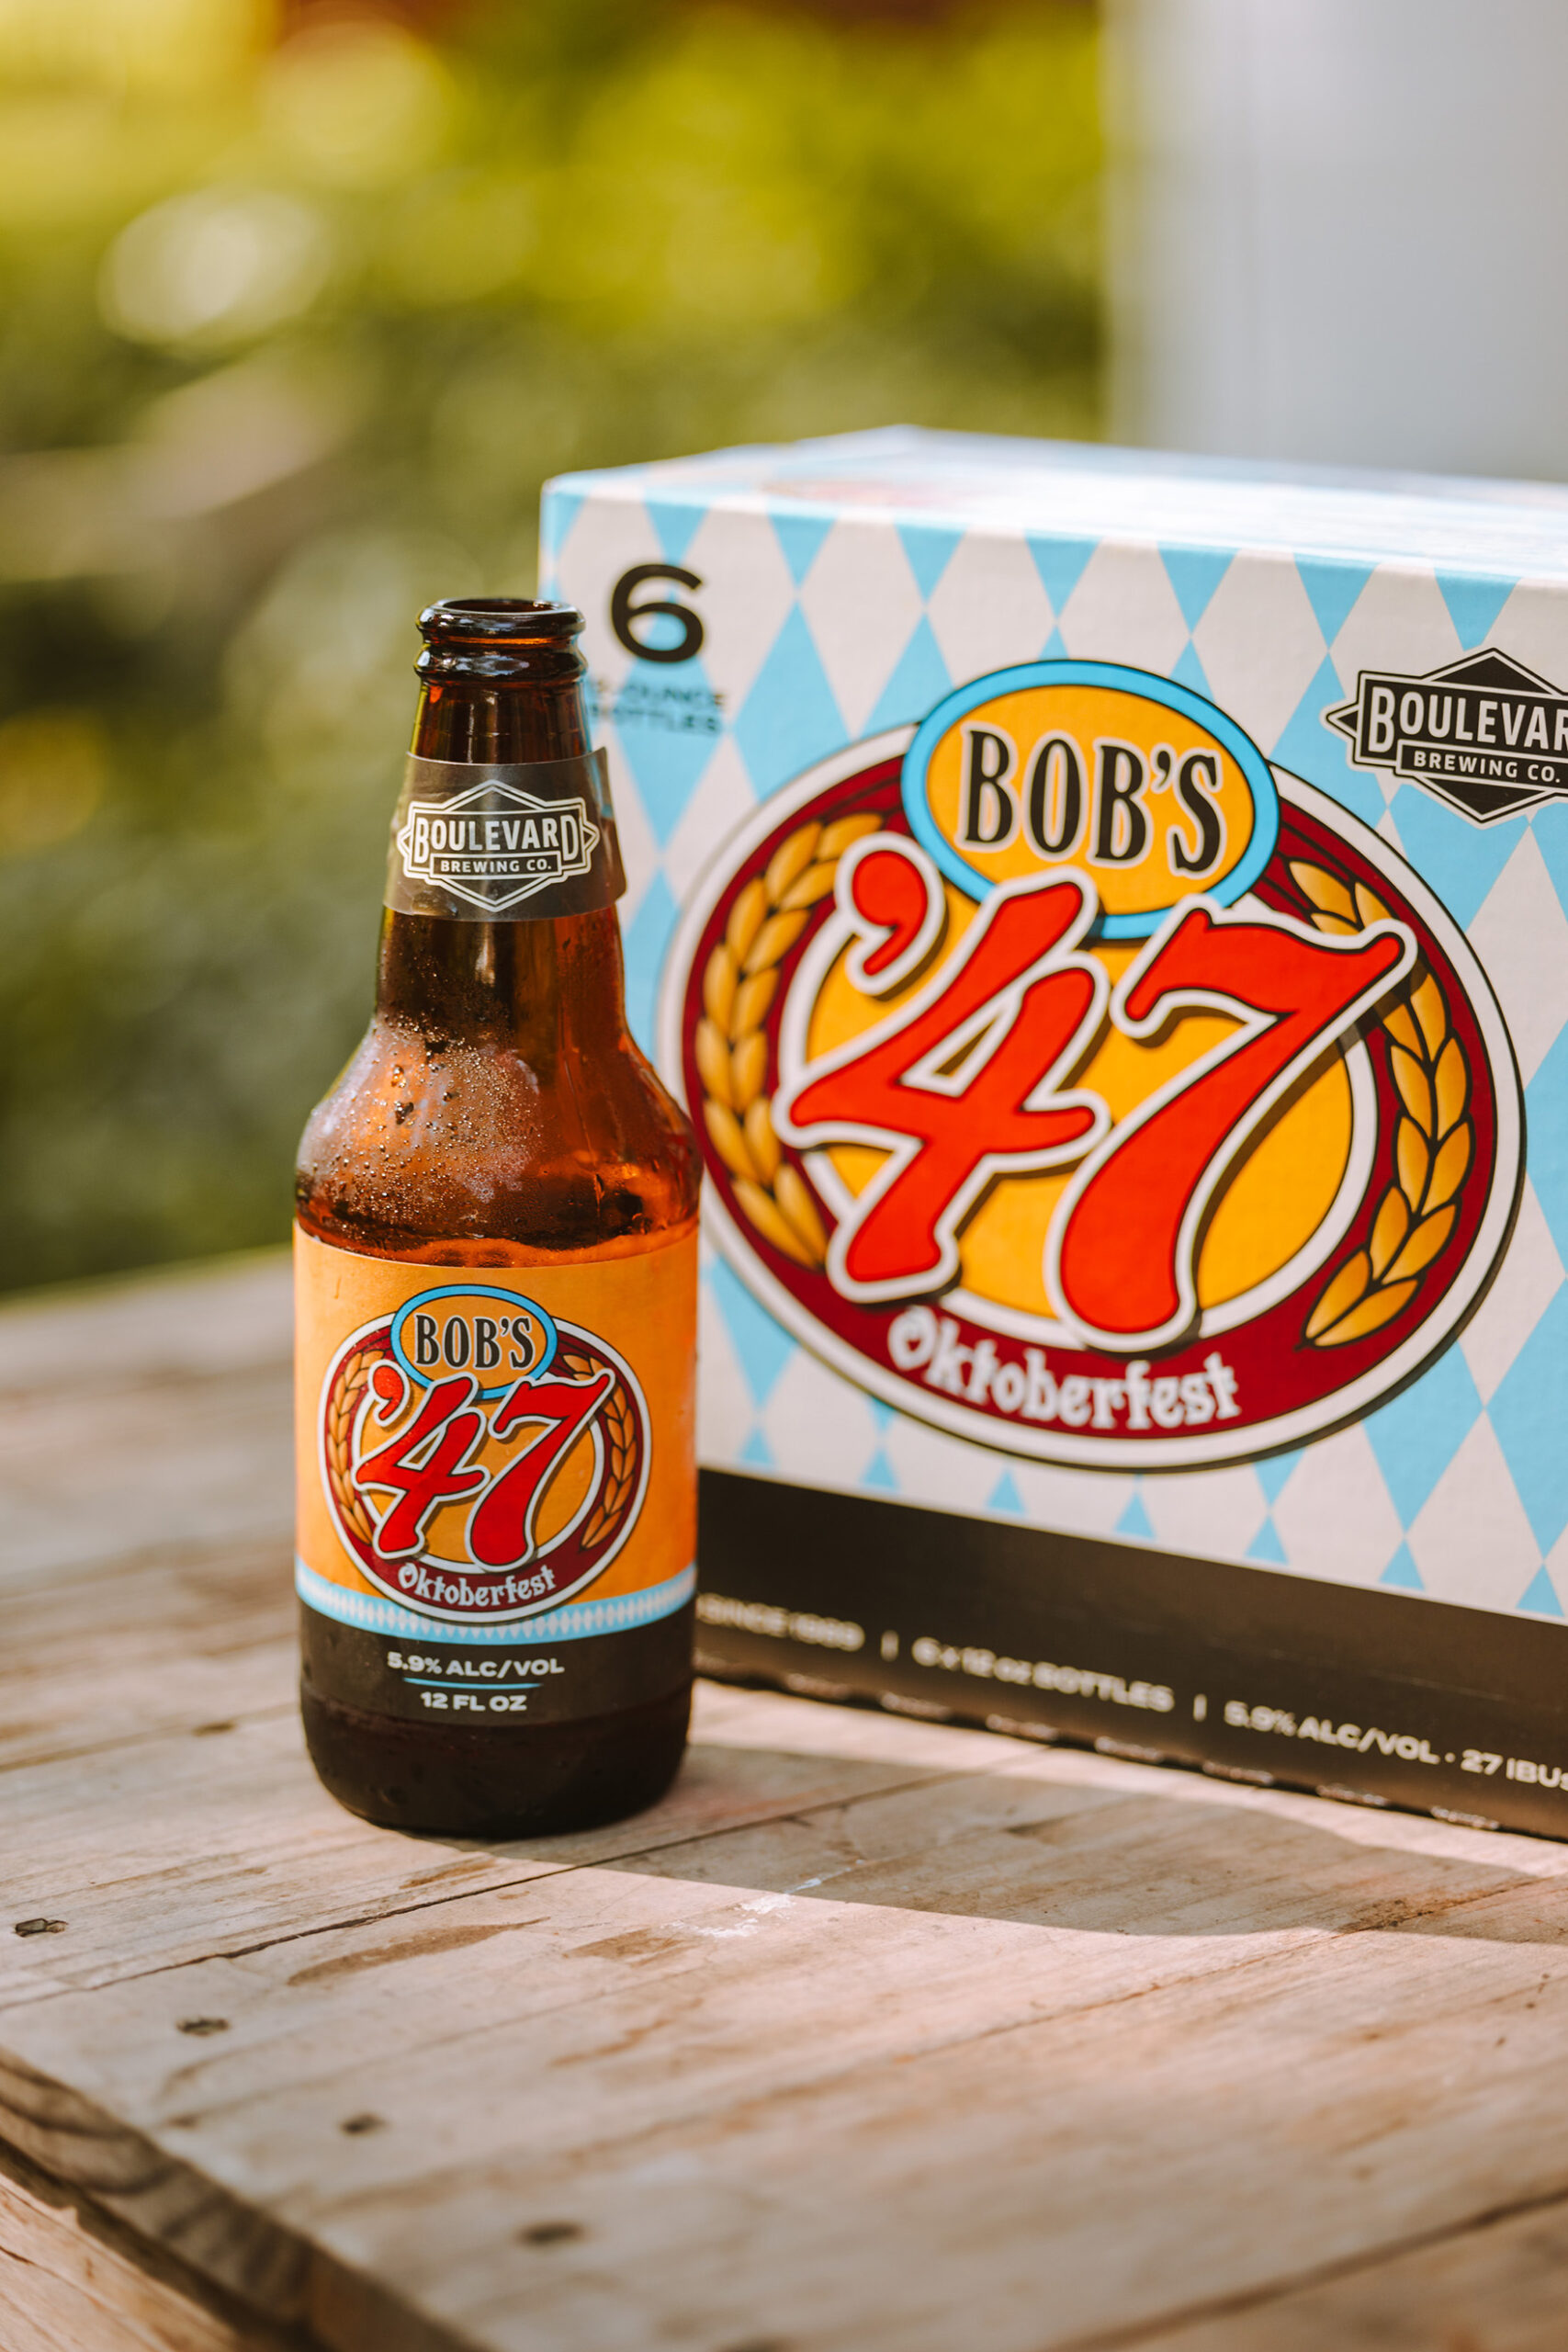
<point>1074,1080</point>
<point>482,1460</point>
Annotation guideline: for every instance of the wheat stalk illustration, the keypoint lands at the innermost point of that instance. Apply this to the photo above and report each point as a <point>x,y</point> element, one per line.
<point>1434,1143</point>
<point>618,1428</point>
<point>739,981</point>
<point>342,1414</point>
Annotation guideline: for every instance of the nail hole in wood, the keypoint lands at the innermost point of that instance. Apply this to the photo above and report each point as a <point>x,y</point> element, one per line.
<point>204,2025</point>
<point>357,2124</point>
<point>209,1731</point>
<point>550,2232</point>
<point>39,1928</point>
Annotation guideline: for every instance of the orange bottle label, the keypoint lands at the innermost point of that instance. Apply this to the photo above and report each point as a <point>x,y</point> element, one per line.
<point>494,1457</point>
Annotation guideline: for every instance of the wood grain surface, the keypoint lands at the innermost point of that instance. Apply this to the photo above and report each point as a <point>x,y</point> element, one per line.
<point>877,2033</point>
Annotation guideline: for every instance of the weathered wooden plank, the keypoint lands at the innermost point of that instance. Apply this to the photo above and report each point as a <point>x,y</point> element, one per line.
<point>67,2286</point>
<point>159,1853</point>
<point>666,2004</point>
<point>1043,2186</point>
<point>1498,2287</point>
<point>157,1643</point>
<point>155,1410</point>
<point>224,1314</point>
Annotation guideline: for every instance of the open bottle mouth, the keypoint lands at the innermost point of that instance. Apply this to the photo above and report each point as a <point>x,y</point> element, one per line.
<point>458,619</point>
<point>494,638</point>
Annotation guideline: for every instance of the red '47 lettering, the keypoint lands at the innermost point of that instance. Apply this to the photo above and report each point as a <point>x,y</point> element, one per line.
<point>962,1085</point>
<point>1123,1246</point>
<point>959,1087</point>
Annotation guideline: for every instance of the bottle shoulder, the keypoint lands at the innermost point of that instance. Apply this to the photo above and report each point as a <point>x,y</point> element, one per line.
<point>427,1138</point>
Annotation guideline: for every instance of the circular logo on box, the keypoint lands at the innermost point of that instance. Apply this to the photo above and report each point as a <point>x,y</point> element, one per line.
<point>482,1460</point>
<point>1074,1080</point>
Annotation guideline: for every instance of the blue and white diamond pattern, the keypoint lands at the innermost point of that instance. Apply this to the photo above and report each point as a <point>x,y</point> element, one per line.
<point>823,628</point>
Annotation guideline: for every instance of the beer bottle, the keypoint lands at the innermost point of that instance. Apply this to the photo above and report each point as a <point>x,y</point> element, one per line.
<point>496,1287</point>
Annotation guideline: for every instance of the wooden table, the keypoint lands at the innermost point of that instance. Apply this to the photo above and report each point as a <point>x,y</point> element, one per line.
<point>878,2034</point>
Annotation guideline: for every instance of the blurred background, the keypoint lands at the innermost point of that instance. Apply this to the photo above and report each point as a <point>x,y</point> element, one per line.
<point>303,298</point>
<point>301,305</point>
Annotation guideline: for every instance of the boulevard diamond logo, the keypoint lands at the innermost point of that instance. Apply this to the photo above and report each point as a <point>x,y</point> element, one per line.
<point>1484,734</point>
<point>495,844</point>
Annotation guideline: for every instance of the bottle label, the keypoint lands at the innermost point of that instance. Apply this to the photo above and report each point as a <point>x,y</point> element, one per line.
<point>504,842</point>
<point>497,1482</point>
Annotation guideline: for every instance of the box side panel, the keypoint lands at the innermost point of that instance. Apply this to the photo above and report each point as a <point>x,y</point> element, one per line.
<point>800,649</point>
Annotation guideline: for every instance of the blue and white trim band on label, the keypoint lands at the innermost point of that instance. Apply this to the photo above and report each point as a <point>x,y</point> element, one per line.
<point>572,1623</point>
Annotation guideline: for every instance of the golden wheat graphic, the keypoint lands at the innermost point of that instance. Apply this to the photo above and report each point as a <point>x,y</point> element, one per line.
<point>739,981</point>
<point>1434,1143</point>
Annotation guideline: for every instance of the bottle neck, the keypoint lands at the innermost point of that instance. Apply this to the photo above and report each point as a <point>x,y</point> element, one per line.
<point>542,987</point>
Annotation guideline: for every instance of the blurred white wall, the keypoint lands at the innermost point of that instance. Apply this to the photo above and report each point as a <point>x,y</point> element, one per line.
<point>1338,230</point>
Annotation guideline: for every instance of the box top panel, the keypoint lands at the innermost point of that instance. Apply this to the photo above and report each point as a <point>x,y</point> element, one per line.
<point>1074,489</point>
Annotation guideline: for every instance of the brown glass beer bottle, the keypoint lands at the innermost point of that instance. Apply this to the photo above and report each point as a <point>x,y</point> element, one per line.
<point>496,1285</point>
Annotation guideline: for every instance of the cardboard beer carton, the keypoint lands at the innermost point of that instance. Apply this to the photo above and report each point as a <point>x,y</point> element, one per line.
<point>1106,916</point>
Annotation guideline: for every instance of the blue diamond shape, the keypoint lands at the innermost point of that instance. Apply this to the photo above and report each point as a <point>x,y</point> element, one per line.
<point>1549,827</point>
<point>1417,1435</point>
<point>928,546</point>
<point>1473,602</point>
<point>917,684</point>
<point>1402,1572</point>
<point>558,512</point>
<point>644,941</point>
<point>1526,1414</point>
<point>878,1473</point>
<point>1539,1596</point>
<point>800,535</point>
<point>790,718</point>
<point>1460,860</point>
<point>1310,749</point>
<point>1135,1520</point>
<point>676,521</point>
<point>1194,574</point>
<point>1331,588</point>
<point>763,1349</point>
<point>1273,1474</point>
<point>1546,1120</point>
<point>1266,1547</point>
<point>758,1452</point>
<point>1059,563</point>
<point>1188,670</point>
<point>666,760</point>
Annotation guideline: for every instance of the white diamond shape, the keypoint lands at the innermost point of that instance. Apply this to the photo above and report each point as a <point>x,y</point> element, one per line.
<point>1472,1540</point>
<point>1259,643</point>
<point>744,601</point>
<point>1522,937</point>
<point>608,535</point>
<point>639,846</point>
<point>1334,1515</point>
<point>722,796</point>
<point>724,1394</point>
<point>941,1471</point>
<point>1533,628</point>
<point>990,609</point>
<point>862,604</point>
<point>1123,609</point>
<point>1215,1514</point>
<point>1527,1281</point>
<point>1398,622</point>
<point>1078,1502</point>
<point>821,1430</point>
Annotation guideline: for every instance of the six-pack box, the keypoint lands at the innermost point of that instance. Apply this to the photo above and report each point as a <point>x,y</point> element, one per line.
<point>1105,915</point>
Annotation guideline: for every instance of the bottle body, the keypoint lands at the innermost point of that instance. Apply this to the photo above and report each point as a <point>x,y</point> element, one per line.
<point>496,1220</point>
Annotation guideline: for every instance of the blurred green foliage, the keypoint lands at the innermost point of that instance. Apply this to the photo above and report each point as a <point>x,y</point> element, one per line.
<point>297,317</point>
